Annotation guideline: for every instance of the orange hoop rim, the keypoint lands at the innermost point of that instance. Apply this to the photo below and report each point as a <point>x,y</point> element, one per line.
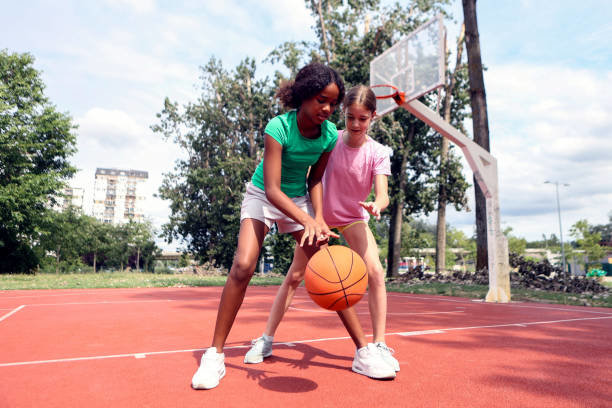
<point>398,97</point>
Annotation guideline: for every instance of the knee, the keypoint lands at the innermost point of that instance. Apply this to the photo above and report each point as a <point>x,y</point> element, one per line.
<point>242,270</point>
<point>376,275</point>
<point>294,277</point>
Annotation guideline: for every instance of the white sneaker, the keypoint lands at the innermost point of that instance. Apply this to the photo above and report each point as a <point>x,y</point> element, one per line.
<point>211,370</point>
<point>368,361</point>
<point>387,355</point>
<point>261,348</point>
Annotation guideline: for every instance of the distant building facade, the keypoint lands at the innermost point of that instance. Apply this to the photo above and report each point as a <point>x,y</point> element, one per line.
<point>69,197</point>
<point>118,195</point>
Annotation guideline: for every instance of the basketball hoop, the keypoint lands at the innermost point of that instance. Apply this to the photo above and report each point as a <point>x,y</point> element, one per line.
<point>389,91</point>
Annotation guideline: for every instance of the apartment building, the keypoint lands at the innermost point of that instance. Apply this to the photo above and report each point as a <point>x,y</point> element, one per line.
<point>69,197</point>
<point>118,195</point>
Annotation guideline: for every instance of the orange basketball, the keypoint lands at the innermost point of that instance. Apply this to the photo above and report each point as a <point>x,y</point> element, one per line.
<point>336,277</point>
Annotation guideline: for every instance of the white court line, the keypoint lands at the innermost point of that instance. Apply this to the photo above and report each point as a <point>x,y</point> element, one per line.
<point>293,343</point>
<point>12,312</point>
<point>388,313</point>
<point>102,302</point>
<point>85,292</point>
<point>511,304</point>
<point>561,309</point>
<point>522,324</point>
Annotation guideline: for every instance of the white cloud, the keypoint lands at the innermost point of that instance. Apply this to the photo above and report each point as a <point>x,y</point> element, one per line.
<point>548,123</point>
<point>109,127</point>
<point>139,6</point>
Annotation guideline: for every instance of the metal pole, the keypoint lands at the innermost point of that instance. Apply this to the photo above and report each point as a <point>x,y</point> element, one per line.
<point>556,183</point>
<point>561,230</point>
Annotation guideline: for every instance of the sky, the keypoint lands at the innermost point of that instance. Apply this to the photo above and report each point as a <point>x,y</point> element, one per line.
<point>111,63</point>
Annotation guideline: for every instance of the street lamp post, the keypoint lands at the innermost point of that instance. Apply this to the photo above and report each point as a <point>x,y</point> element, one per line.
<point>556,183</point>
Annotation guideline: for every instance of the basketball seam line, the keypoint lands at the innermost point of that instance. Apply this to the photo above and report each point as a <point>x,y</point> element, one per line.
<point>340,277</point>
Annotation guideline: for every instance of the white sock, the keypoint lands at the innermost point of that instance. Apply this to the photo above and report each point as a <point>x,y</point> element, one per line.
<point>268,338</point>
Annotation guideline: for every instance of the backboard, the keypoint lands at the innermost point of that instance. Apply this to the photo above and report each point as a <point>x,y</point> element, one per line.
<point>415,64</point>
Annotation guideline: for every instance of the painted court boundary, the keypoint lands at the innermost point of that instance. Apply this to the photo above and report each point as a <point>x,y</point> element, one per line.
<point>292,343</point>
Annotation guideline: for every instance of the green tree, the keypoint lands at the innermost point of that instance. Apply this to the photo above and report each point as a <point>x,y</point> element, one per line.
<point>150,251</point>
<point>605,230</point>
<point>97,238</point>
<point>35,143</point>
<point>140,234</point>
<point>587,241</point>
<point>457,239</point>
<point>63,236</point>
<point>515,244</point>
<point>416,150</point>
<point>117,252</point>
<point>222,136</point>
<point>416,236</point>
<point>222,132</point>
<point>451,184</point>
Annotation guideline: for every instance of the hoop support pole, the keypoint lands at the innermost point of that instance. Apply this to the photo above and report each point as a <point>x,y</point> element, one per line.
<point>484,166</point>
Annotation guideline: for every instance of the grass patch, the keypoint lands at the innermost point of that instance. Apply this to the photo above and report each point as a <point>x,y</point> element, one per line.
<point>119,280</point>
<point>438,288</point>
<point>517,294</point>
<point>152,280</point>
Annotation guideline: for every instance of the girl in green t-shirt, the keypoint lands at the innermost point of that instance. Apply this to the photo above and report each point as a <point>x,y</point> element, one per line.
<point>294,142</point>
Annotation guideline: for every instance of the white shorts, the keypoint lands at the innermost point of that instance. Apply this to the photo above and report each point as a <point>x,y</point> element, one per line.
<point>255,205</point>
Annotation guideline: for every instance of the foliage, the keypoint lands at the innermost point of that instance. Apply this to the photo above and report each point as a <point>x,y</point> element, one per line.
<point>417,235</point>
<point>588,241</point>
<point>63,239</point>
<point>515,244</point>
<point>222,137</point>
<point>605,230</point>
<point>416,149</point>
<point>457,239</point>
<point>222,133</point>
<point>72,241</point>
<point>35,143</point>
<point>551,242</point>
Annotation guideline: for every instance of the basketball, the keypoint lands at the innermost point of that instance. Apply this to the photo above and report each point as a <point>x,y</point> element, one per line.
<point>336,277</point>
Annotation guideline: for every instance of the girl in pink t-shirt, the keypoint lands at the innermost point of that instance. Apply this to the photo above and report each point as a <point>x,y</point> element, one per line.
<point>356,163</point>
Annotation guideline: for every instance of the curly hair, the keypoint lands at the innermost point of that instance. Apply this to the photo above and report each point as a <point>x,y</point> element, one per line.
<point>309,81</point>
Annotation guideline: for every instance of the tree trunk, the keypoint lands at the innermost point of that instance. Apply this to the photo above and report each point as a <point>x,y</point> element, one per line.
<point>318,7</point>
<point>94,261</point>
<point>397,208</point>
<point>442,196</point>
<point>138,259</point>
<point>395,240</point>
<point>480,121</point>
<point>57,259</point>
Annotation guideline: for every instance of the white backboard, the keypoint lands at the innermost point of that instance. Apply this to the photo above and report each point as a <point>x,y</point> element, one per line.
<point>415,64</point>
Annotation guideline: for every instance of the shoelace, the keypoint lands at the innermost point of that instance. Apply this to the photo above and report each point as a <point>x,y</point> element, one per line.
<point>384,347</point>
<point>254,342</point>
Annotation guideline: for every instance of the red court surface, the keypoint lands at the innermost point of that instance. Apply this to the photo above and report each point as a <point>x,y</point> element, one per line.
<point>140,347</point>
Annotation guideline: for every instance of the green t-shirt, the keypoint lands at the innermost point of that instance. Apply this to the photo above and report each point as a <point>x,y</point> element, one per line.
<point>299,153</point>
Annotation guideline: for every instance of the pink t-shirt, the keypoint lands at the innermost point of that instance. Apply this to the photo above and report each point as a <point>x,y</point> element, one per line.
<point>348,179</point>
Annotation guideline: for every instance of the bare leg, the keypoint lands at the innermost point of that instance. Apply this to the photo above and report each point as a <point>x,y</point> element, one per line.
<point>285,293</point>
<point>361,240</point>
<point>353,326</point>
<point>250,239</point>
<point>347,316</point>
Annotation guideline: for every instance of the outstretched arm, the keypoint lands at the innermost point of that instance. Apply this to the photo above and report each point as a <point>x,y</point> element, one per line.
<point>381,194</point>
